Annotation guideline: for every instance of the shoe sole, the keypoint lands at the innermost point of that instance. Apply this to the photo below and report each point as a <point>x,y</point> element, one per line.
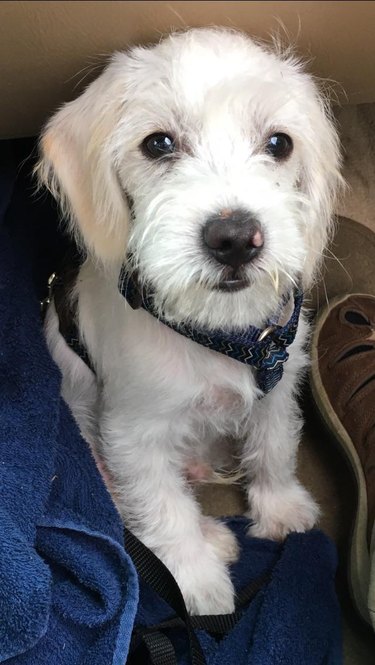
<point>359,557</point>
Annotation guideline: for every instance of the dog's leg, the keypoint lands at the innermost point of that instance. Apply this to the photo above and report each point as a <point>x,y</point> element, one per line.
<point>221,537</point>
<point>278,504</point>
<point>155,502</point>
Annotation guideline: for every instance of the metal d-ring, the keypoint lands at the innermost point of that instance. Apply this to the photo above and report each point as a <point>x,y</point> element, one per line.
<point>267,331</point>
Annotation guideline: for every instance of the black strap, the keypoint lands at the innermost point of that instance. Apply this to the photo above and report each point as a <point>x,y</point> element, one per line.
<point>156,574</point>
<point>159,647</point>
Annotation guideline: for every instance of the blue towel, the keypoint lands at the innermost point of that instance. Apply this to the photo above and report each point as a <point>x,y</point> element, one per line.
<point>69,593</point>
<point>294,619</point>
<point>68,590</point>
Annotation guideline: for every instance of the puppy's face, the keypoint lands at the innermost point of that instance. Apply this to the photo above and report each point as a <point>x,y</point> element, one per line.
<point>230,164</point>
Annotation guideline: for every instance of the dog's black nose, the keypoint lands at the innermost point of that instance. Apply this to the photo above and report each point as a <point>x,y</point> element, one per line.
<point>233,237</point>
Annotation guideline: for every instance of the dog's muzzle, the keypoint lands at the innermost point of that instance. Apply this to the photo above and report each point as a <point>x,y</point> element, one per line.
<point>233,238</point>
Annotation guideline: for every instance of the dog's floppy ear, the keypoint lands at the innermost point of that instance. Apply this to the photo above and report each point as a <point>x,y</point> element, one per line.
<point>78,166</point>
<point>321,180</point>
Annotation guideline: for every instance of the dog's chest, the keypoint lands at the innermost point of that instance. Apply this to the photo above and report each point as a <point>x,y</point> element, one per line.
<point>221,398</point>
<point>224,405</point>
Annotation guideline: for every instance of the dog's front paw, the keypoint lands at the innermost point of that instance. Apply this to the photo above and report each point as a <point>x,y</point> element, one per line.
<point>221,538</point>
<point>277,513</point>
<point>206,585</point>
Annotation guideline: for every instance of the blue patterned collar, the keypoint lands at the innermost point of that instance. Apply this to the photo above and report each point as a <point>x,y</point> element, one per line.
<point>264,349</point>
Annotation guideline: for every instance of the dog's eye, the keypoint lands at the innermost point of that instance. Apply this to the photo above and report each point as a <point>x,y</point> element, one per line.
<point>158,145</point>
<point>279,146</point>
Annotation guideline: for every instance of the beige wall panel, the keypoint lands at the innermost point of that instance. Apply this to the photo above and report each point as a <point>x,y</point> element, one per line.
<point>44,44</point>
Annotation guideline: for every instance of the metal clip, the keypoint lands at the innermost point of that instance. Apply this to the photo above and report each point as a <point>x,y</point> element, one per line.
<point>44,303</point>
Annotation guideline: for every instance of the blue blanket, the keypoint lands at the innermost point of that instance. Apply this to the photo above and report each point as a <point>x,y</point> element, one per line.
<point>69,593</point>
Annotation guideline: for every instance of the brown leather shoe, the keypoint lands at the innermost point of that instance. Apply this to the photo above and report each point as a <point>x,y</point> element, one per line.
<point>343,386</point>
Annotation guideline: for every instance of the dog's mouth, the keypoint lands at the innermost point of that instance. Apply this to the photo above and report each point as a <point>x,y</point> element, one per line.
<point>230,285</point>
<point>233,281</point>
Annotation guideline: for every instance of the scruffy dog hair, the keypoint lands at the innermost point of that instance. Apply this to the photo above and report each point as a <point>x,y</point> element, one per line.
<point>207,133</point>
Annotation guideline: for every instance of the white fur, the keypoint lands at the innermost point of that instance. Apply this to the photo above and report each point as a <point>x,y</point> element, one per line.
<point>162,400</point>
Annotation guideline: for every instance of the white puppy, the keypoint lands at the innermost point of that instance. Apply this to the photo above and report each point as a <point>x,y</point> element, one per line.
<point>211,162</point>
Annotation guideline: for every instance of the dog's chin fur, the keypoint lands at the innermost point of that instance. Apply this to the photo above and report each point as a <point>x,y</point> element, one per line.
<point>211,308</point>
<point>160,403</point>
